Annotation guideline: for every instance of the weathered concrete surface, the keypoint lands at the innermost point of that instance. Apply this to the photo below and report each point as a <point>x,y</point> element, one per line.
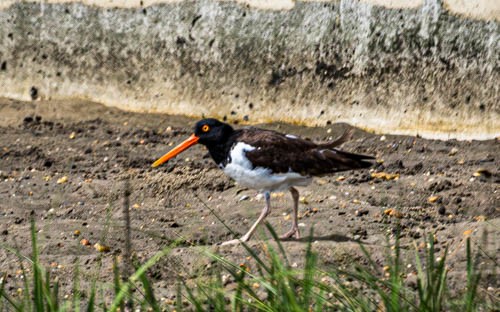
<point>409,69</point>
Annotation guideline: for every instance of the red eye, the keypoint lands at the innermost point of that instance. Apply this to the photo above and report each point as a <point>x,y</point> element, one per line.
<point>205,128</point>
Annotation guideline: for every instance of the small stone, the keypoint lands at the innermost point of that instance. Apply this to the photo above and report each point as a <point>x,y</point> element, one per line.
<point>480,218</point>
<point>482,172</point>
<point>383,138</point>
<point>412,280</point>
<point>101,248</point>
<point>76,233</point>
<point>303,200</point>
<point>453,151</point>
<point>244,197</point>
<point>72,135</point>
<point>136,206</point>
<point>362,212</point>
<point>85,242</point>
<point>62,180</point>
<point>340,178</point>
<point>385,176</point>
<point>321,181</point>
<point>433,199</point>
<point>393,213</point>
<point>468,232</point>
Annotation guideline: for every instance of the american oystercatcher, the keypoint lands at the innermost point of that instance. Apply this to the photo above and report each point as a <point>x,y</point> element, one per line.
<point>269,161</point>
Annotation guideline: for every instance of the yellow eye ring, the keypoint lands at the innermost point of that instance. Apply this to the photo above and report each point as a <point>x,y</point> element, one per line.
<point>205,128</point>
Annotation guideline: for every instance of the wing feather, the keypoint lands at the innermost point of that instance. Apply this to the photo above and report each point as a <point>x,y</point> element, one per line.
<point>281,153</point>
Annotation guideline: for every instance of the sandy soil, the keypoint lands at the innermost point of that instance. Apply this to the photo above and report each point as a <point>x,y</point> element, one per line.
<point>97,149</point>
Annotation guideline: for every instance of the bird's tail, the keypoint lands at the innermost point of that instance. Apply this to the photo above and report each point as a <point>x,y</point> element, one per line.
<point>341,160</point>
<point>355,161</point>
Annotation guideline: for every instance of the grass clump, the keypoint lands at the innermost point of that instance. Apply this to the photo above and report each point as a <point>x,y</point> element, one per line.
<point>268,282</point>
<point>40,292</point>
<point>275,285</point>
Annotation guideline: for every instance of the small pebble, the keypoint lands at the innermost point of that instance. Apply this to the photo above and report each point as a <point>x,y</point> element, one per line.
<point>101,248</point>
<point>244,197</point>
<point>433,199</point>
<point>468,232</point>
<point>442,210</point>
<point>62,180</point>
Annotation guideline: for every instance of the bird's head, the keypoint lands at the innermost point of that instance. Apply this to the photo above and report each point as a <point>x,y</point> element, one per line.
<point>208,132</point>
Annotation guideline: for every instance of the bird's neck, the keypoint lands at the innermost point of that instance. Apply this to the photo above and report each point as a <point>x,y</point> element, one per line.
<point>220,151</point>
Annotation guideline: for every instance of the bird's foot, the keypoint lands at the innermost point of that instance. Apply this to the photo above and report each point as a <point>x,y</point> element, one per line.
<point>235,241</point>
<point>294,232</point>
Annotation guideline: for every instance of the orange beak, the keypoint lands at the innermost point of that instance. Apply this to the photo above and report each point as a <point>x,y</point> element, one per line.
<point>192,140</point>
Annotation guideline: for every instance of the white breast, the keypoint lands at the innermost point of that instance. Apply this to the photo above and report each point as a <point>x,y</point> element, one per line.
<point>259,178</point>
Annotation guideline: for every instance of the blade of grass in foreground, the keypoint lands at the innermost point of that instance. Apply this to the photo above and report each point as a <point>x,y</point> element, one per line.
<point>90,304</point>
<point>37,275</point>
<point>149,293</point>
<point>472,280</point>
<point>124,289</point>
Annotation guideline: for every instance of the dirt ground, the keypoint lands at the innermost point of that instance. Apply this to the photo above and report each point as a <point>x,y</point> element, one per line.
<point>66,162</point>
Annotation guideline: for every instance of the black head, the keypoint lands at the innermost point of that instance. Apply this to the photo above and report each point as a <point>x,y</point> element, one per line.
<point>210,131</point>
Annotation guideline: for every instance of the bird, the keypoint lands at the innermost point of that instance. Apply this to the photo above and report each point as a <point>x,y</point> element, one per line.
<point>269,161</point>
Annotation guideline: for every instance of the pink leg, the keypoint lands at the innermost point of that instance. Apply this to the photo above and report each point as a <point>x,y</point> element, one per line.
<point>263,215</point>
<point>294,231</point>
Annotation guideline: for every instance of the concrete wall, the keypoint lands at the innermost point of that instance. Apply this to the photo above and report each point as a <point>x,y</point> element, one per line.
<point>423,67</point>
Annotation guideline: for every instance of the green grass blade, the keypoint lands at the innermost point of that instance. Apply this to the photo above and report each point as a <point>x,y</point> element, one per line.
<point>309,273</point>
<point>193,299</point>
<point>38,296</point>
<point>4,295</point>
<point>117,283</point>
<point>124,289</point>
<point>76,289</point>
<point>149,293</point>
<point>91,303</point>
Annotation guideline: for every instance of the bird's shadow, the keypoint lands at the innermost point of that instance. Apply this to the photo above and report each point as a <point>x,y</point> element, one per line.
<point>332,237</point>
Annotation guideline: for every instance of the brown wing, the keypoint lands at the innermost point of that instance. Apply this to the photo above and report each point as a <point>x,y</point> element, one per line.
<point>282,154</point>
